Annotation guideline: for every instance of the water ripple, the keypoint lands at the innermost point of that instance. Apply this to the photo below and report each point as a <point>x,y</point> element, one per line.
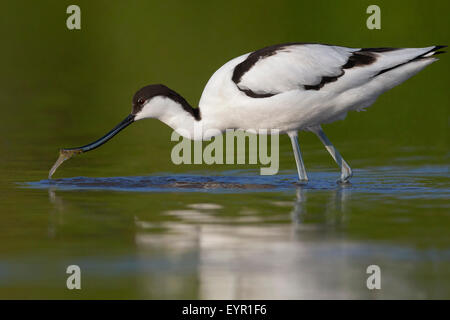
<point>430,181</point>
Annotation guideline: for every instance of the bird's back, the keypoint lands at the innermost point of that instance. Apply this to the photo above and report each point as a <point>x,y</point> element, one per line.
<point>313,83</point>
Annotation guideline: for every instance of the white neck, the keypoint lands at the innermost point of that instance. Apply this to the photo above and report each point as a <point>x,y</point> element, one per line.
<point>178,118</point>
<point>183,123</point>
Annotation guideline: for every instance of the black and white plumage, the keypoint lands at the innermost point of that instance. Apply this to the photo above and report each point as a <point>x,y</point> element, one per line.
<point>288,87</point>
<point>277,69</point>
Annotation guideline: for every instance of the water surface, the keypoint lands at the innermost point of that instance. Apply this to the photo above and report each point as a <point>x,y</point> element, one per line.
<point>237,235</point>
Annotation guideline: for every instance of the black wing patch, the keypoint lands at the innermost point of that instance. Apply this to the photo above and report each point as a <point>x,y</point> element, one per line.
<point>358,58</point>
<point>362,57</point>
<point>251,60</point>
<point>255,56</point>
<point>323,82</point>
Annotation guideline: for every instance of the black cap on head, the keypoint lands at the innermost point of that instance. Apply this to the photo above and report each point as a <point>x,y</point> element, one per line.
<point>153,90</point>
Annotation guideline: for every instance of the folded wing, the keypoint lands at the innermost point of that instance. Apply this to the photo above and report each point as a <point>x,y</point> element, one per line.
<point>295,66</point>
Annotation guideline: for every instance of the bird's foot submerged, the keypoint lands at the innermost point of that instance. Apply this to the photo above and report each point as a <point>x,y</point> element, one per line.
<point>343,182</point>
<point>346,174</point>
<point>302,182</point>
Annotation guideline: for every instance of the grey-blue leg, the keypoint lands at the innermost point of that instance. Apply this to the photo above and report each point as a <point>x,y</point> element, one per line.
<point>298,156</point>
<point>346,171</point>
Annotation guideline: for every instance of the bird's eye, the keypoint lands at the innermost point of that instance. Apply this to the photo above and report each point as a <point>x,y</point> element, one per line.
<point>141,101</point>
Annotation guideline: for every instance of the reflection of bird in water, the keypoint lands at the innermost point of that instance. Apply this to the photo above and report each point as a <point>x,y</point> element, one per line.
<point>56,214</point>
<point>286,87</point>
<point>334,211</point>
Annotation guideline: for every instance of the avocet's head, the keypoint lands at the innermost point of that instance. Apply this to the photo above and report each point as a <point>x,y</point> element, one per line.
<point>157,101</point>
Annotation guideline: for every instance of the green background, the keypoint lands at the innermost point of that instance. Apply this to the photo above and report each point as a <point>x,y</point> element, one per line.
<point>62,88</point>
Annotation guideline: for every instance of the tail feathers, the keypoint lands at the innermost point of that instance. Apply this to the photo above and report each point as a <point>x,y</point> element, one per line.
<point>432,52</point>
<point>428,54</point>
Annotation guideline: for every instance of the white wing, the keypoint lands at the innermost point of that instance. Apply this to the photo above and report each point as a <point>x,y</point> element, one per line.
<point>280,68</point>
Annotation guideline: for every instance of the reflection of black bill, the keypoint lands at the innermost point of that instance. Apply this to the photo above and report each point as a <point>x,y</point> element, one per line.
<point>65,154</point>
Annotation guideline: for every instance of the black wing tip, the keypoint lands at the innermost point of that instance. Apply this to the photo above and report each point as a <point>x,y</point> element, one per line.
<point>433,52</point>
<point>386,49</point>
<point>439,47</point>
